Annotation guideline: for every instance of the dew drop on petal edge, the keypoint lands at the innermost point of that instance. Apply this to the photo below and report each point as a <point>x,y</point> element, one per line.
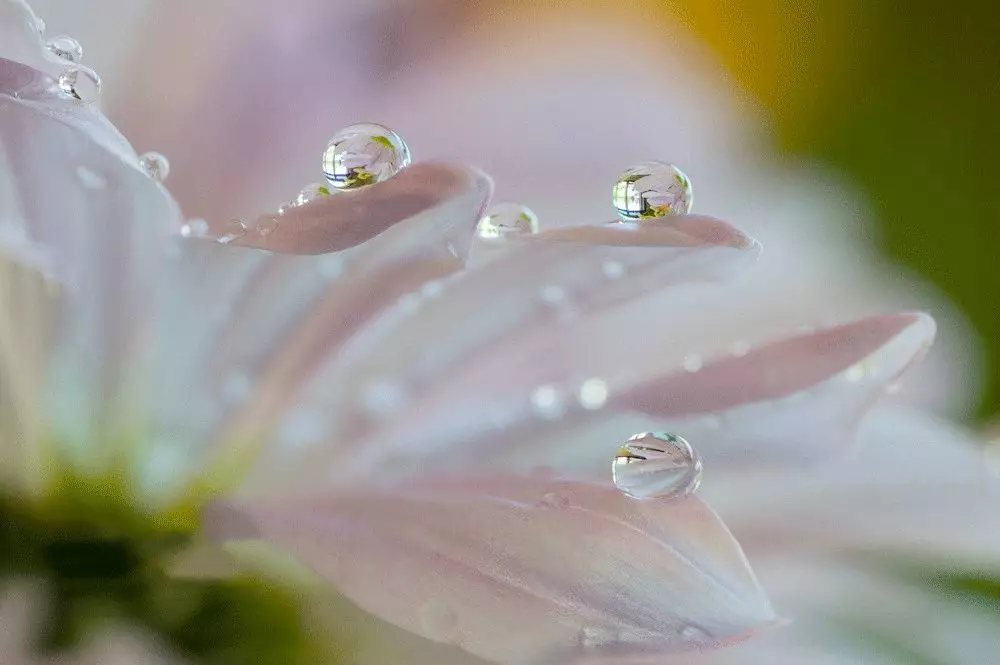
<point>650,191</point>
<point>155,165</point>
<point>657,465</point>
<point>80,83</point>
<point>66,48</point>
<point>362,155</point>
<point>505,220</point>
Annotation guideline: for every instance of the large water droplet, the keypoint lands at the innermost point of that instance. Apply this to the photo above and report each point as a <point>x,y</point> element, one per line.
<point>439,622</point>
<point>362,155</point>
<point>505,220</point>
<point>657,464</point>
<point>312,192</point>
<point>80,83</point>
<point>155,165</point>
<point>593,394</point>
<point>65,47</point>
<point>652,190</point>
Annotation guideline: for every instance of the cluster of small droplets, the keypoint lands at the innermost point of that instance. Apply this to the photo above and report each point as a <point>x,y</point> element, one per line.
<point>234,230</point>
<point>650,191</point>
<point>155,165</point>
<point>657,465</point>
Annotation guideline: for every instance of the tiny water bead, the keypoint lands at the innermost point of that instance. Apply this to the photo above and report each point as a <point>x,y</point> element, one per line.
<point>235,230</point>
<point>652,190</point>
<point>657,465</point>
<point>80,83</point>
<point>66,48</point>
<point>364,154</point>
<point>156,166</point>
<point>507,219</point>
<point>312,192</point>
<point>194,228</point>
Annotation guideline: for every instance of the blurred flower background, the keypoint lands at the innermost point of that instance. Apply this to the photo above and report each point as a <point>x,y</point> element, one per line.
<point>857,140</point>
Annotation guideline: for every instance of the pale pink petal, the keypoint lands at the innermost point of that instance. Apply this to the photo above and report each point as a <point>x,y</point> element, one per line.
<point>913,485</point>
<point>442,367</point>
<point>237,332</point>
<point>526,569</point>
<point>74,189</point>
<point>792,401</point>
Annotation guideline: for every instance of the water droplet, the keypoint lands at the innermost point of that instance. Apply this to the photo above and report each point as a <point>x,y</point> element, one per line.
<point>693,363</point>
<point>547,402</point>
<point>432,289</point>
<point>65,47</point>
<point>856,373</point>
<point>597,637</point>
<point>554,500</point>
<point>237,388</point>
<point>652,190</point>
<point>235,230</point>
<point>593,394</point>
<point>90,178</point>
<point>613,270</point>
<point>39,23</point>
<point>506,220</point>
<point>80,83</point>
<point>331,266</point>
<point>364,154</point>
<point>268,225</point>
<point>285,207</point>
<point>692,633</point>
<point>155,165</point>
<point>439,622</point>
<point>383,397</point>
<point>312,192</point>
<point>553,295</point>
<point>657,464</point>
<point>740,349</point>
<point>195,228</point>
<point>452,249</point>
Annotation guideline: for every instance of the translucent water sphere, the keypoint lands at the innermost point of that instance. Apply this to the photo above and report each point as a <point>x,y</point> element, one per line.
<point>657,465</point>
<point>507,219</point>
<point>652,190</point>
<point>363,155</point>
<point>65,47</point>
<point>80,83</point>
<point>155,165</point>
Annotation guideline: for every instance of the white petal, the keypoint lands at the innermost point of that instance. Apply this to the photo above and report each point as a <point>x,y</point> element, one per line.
<point>528,570</point>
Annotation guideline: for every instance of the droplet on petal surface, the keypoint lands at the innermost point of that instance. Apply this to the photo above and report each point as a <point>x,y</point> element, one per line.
<point>311,192</point>
<point>507,219</point>
<point>657,465</point>
<point>80,83</point>
<point>650,191</point>
<point>194,228</point>
<point>66,48</point>
<point>235,230</point>
<point>364,154</point>
<point>155,165</point>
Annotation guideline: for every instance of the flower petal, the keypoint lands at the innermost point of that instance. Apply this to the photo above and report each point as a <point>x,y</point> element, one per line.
<point>792,400</point>
<point>20,37</point>
<point>527,569</point>
<point>74,189</point>
<point>330,223</point>
<point>429,376</point>
<point>237,332</point>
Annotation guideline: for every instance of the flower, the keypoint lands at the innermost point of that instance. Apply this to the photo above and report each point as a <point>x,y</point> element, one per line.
<point>373,405</point>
